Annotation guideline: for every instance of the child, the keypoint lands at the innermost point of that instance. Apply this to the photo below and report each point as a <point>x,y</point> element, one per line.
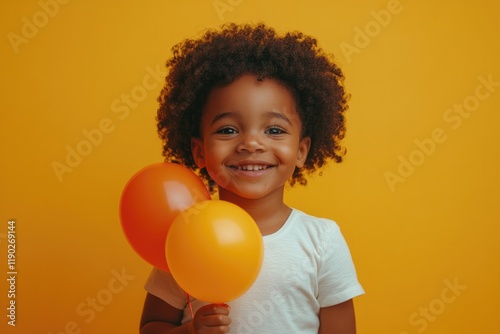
<point>250,110</point>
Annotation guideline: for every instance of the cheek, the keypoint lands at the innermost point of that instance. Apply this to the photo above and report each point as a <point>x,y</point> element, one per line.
<point>287,153</point>
<point>216,154</point>
<point>220,177</point>
<point>215,158</point>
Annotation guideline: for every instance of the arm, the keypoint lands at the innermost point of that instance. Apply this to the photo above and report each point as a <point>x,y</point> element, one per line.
<point>337,319</point>
<point>159,317</point>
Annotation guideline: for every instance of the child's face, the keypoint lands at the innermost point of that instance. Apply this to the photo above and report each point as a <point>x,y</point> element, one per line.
<point>251,137</point>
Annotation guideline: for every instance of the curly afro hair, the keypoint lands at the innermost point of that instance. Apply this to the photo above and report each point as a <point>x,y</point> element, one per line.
<point>221,56</point>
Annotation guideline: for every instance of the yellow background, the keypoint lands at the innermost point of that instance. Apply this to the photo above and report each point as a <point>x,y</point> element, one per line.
<point>410,240</point>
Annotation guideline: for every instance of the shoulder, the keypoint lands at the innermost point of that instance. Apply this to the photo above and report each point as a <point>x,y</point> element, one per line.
<point>304,221</point>
<point>323,233</point>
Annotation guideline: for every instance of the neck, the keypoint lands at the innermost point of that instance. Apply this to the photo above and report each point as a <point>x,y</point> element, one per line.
<point>269,212</point>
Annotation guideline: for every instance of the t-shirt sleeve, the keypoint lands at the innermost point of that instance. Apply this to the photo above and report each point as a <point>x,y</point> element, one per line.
<point>337,278</point>
<point>161,284</point>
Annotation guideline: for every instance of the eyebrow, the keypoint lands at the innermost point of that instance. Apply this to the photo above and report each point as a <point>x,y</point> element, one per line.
<point>222,116</point>
<point>274,114</point>
<point>269,114</point>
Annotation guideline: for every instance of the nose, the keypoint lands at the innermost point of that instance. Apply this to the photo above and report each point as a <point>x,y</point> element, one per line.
<point>251,142</point>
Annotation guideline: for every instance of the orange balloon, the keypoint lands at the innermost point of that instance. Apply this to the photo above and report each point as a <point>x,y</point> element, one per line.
<point>151,200</point>
<point>214,250</point>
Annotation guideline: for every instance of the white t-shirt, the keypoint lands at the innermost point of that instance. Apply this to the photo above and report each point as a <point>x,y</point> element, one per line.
<point>307,265</point>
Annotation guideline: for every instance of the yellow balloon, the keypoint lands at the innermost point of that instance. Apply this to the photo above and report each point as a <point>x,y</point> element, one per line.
<point>214,250</point>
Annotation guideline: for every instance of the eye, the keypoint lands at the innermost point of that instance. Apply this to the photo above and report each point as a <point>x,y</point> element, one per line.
<point>227,130</point>
<point>275,130</point>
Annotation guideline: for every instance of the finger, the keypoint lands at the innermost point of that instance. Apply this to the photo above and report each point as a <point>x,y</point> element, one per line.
<point>222,309</point>
<point>210,309</point>
<point>216,320</point>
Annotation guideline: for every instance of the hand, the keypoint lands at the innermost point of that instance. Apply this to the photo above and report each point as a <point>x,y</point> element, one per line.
<point>212,318</point>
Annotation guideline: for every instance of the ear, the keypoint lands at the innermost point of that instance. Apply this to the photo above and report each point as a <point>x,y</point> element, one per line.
<point>304,146</point>
<point>198,152</point>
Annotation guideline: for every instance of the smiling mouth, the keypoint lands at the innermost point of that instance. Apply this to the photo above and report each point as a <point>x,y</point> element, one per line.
<point>251,167</point>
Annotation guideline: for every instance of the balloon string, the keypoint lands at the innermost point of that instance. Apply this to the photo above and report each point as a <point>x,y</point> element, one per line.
<point>190,306</point>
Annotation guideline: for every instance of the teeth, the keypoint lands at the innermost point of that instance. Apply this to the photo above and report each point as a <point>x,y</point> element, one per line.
<point>251,167</point>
